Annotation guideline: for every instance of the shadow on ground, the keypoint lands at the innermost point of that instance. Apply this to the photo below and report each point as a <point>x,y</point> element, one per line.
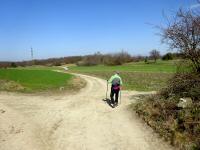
<point>108,101</point>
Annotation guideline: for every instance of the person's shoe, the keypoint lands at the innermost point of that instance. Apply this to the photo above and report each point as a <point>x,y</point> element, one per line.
<point>112,104</point>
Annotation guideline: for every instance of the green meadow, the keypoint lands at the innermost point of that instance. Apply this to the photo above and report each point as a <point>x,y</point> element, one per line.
<point>138,76</point>
<point>159,66</point>
<point>36,80</point>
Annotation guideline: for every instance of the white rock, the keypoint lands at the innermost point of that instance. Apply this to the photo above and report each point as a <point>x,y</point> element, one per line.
<point>185,102</point>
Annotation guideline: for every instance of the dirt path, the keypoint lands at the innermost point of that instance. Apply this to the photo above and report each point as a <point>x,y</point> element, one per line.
<point>73,122</point>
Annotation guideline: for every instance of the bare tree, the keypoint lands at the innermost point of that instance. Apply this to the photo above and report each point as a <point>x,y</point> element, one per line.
<point>154,54</point>
<point>183,33</point>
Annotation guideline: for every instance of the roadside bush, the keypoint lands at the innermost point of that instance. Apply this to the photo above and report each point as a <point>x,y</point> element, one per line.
<point>184,66</point>
<point>195,93</point>
<point>183,85</point>
<point>179,126</point>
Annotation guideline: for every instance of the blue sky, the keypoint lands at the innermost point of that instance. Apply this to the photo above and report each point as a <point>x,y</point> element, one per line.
<point>57,28</point>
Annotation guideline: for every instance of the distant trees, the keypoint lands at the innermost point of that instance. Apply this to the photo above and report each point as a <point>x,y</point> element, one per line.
<point>4,64</point>
<point>13,65</point>
<point>183,34</point>
<point>88,60</point>
<point>168,56</point>
<point>117,58</point>
<point>112,59</point>
<point>146,60</point>
<point>46,62</point>
<point>106,59</point>
<point>154,54</point>
<point>91,60</point>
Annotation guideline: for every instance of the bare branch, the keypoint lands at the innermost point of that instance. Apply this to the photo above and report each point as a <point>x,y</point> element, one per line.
<point>183,33</point>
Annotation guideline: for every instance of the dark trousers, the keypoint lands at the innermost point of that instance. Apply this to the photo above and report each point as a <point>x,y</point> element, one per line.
<point>112,93</point>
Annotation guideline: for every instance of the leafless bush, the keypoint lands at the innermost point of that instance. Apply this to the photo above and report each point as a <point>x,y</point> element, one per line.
<point>112,60</point>
<point>183,85</point>
<point>154,54</point>
<point>117,58</point>
<point>179,126</point>
<point>106,59</point>
<point>138,58</point>
<point>4,64</point>
<point>183,33</point>
<point>91,60</point>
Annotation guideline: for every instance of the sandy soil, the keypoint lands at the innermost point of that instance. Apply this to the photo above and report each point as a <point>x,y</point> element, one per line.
<point>82,121</point>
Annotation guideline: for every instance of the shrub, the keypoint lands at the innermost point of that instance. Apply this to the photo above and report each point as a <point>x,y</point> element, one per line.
<point>154,54</point>
<point>168,56</point>
<point>184,66</point>
<point>87,61</point>
<point>13,65</point>
<point>182,33</point>
<point>195,93</point>
<point>146,60</point>
<point>179,126</point>
<point>117,58</point>
<point>91,60</point>
<point>183,85</point>
<point>57,64</point>
<point>112,60</point>
<point>4,65</point>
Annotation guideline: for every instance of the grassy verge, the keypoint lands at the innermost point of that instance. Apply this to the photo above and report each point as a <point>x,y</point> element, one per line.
<point>29,80</point>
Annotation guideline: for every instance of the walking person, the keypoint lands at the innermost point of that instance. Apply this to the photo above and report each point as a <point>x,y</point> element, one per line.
<point>116,83</point>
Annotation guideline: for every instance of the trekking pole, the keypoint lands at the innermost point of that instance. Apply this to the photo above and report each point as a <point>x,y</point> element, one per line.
<point>120,97</point>
<point>107,90</point>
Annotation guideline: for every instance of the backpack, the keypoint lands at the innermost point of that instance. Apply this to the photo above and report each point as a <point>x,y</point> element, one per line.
<point>116,84</point>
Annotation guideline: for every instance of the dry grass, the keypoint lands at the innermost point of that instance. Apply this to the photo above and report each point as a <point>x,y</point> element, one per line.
<point>10,86</point>
<point>179,126</point>
<point>77,83</point>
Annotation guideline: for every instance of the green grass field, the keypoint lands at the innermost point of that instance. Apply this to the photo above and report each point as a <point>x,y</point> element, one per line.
<point>36,80</point>
<point>136,76</point>
<point>160,66</point>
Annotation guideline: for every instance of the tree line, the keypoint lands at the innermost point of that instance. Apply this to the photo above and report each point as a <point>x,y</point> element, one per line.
<point>97,58</point>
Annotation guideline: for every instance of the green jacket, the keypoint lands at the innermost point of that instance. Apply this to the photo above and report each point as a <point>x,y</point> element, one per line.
<point>115,78</point>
